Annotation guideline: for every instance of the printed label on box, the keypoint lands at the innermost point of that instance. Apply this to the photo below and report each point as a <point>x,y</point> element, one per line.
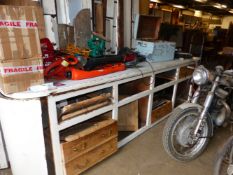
<point>18,24</point>
<point>20,70</point>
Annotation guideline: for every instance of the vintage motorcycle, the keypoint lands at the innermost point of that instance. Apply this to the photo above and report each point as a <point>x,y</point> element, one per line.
<point>191,125</point>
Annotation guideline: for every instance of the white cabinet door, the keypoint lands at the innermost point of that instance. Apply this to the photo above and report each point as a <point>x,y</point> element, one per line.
<point>3,158</point>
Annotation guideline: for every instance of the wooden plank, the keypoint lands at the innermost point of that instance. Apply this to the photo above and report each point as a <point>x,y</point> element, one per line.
<point>82,25</point>
<point>82,142</point>
<point>20,2</point>
<point>85,103</point>
<point>99,17</point>
<point>82,163</point>
<point>128,117</point>
<point>144,7</point>
<point>161,111</point>
<point>83,111</point>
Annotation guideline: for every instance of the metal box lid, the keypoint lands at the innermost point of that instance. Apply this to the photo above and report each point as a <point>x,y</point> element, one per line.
<point>147,27</point>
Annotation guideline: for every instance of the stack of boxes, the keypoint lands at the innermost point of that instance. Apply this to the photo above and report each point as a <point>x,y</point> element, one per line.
<point>21,65</point>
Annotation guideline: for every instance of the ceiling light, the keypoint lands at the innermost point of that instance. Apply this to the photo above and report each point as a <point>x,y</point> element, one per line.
<point>202,1</point>
<point>157,1</point>
<point>220,6</point>
<point>198,13</point>
<point>230,11</point>
<point>224,6</point>
<point>178,6</point>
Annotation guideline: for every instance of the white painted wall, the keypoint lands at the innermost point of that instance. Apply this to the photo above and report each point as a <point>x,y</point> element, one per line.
<point>49,7</point>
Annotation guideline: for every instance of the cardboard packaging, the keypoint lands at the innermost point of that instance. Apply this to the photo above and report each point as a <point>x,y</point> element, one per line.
<point>18,75</point>
<point>19,36</point>
<point>19,2</point>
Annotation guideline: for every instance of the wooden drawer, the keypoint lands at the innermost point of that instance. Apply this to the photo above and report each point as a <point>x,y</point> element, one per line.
<point>92,157</point>
<point>161,111</point>
<point>83,141</point>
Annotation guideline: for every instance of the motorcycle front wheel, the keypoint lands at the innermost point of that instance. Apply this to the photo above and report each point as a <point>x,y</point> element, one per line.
<point>224,160</point>
<point>177,140</point>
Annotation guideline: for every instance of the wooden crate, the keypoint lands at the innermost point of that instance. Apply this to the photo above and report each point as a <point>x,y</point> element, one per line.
<point>161,111</point>
<point>78,146</point>
<point>134,87</point>
<point>128,117</point>
<point>184,72</point>
<point>87,160</point>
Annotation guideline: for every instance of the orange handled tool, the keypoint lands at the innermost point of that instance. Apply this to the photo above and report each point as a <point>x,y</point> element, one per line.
<point>76,74</point>
<point>58,68</point>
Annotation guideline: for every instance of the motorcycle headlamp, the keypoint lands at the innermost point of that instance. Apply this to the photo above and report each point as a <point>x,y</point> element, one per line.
<point>200,75</point>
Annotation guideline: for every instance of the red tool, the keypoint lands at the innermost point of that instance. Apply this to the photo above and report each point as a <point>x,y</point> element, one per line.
<point>58,68</point>
<point>48,52</point>
<point>76,74</point>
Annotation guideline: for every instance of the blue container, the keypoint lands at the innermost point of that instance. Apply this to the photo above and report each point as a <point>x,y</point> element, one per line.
<point>163,51</point>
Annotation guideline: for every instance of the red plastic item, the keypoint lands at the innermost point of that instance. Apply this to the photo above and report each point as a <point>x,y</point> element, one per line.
<point>58,68</point>
<point>48,53</point>
<point>76,74</point>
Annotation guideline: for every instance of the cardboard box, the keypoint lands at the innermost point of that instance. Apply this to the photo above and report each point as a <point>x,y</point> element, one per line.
<point>19,2</point>
<point>128,117</point>
<point>18,75</point>
<point>19,38</point>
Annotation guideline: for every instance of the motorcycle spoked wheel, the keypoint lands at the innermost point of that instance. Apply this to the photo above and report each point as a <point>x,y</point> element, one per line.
<point>177,132</point>
<point>224,160</point>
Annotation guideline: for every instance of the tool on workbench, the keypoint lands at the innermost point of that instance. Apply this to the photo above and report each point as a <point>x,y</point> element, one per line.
<point>97,45</point>
<point>48,52</point>
<point>76,74</point>
<point>58,68</point>
<point>73,50</point>
<point>125,55</point>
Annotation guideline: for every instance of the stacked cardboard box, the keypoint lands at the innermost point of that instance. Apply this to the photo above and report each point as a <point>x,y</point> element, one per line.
<point>20,52</point>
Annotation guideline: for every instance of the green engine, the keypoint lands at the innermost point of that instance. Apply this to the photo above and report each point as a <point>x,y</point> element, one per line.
<point>97,46</point>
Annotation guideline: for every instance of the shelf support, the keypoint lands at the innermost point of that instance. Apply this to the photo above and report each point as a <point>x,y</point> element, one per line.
<point>150,101</point>
<point>55,138</point>
<point>175,87</point>
<point>115,94</point>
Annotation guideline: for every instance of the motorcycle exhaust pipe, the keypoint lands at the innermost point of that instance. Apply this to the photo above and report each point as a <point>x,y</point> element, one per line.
<point>228,109</point>
<point>224,114</point>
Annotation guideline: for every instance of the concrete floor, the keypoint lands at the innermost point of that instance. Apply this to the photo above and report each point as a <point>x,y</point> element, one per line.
<point>145,156</point>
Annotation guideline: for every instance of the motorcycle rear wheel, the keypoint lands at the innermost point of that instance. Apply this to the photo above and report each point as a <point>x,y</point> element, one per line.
<point>224,160</point>
<point>177,131</point>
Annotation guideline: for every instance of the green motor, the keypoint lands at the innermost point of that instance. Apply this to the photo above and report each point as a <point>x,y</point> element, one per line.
<point>97,46</point>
